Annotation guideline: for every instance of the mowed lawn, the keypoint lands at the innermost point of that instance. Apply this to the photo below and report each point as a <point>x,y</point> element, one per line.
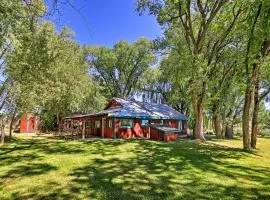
<point>34,167</point>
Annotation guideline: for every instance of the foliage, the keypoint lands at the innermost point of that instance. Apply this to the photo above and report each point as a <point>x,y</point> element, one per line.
<point>50,72</point>
<point>196,39</point>
<point>119,69</point>
<point>43,70</point>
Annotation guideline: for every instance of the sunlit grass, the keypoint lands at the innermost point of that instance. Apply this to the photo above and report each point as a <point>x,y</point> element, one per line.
<point>51,168</point>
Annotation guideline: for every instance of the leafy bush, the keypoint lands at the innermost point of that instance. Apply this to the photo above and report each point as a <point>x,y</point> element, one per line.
<point>265,133</point>
<point>48,122</point>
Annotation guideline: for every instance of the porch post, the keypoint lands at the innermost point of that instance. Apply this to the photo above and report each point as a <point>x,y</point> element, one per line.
<point>103,127</point>
<point>114,127</point>
<point>83,129</point>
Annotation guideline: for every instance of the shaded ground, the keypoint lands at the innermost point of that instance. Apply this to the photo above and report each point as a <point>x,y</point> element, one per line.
<point>50,168</point>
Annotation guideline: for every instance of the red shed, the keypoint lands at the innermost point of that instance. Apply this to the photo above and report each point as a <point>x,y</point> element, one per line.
<point>123,118</point>
<point>163,133</point>
<point>30,123</point>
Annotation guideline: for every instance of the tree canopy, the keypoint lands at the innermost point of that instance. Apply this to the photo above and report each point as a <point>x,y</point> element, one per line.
<point>120,69</point>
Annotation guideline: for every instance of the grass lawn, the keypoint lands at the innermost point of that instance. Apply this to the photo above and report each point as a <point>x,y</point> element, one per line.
<point>49,168</point>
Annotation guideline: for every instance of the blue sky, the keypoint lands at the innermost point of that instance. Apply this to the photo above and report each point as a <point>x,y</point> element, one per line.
<point>107,22</point>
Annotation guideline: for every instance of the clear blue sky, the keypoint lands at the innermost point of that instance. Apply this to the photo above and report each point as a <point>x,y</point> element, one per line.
<point>107,22</point>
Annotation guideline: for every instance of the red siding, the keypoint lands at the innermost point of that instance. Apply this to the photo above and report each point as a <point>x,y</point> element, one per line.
<point>113,104</point>
<point>89,131</point>
<point>156,135</point>
<point>109,132</point>
<point>137,131</point>
<point>29,123</point>
<point>31,126</point>
<point>171,137</point>
<point>172,123</point>
<point>97,131</point>
<point>23,124</point>
<point>185,127</point>
<point>159,136</point>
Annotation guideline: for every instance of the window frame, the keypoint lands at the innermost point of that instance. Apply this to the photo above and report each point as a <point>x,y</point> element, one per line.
<point>88,125</point>
<point>95,125</point>
<point>132,123</point>
<point>109,123</point>
<point>145,124</point>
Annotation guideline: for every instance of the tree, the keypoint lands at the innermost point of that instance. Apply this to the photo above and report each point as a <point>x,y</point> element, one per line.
<point>17,19</point>
<point>50,73</point>
<point>120,68</point>
<point>197,32</point>
<point>257,49</point>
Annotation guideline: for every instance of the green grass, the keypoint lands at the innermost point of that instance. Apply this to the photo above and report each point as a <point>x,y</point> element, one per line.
<point>51,168</point>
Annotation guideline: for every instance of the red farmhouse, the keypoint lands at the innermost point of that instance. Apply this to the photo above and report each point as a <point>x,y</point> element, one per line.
<point>130,119</point>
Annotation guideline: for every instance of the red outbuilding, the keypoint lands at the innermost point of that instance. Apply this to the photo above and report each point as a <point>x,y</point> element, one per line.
<point>30,123</point>
<point>123,118</point>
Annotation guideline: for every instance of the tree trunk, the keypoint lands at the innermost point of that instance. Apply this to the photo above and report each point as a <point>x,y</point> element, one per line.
<point>2,132</point>
<point>11,123</point>
<point>249,84</point>
<point>255,122</point>
<point>246,114</point>
<point>257,98</point>
<point>229,131</point>
<point>58,124</point>
<point>198,128</point>
<point>198,109</point>
<point>217,121</point>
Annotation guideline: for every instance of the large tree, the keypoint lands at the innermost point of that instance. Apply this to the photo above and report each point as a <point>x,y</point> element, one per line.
<point>120,68</point>
<point>198,31</point>
<point>257,49</point>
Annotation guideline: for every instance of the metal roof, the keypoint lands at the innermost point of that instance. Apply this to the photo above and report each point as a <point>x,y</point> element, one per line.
<point>132,108</point>
<point>135,109</point>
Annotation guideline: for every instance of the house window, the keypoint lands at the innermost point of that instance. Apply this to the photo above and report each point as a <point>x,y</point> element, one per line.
<point>88,124</point>
<point>145,122</point>
<point>97,124</point>
<point>126,123</point>
<point>109,123</point>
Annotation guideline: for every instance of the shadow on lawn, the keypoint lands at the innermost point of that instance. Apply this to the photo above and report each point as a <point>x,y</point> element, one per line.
<point>171,171</point>
<point>156,170</point>
<point>28,170</point>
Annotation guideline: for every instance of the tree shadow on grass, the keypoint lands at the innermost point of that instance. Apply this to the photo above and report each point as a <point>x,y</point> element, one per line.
<point>46,146</point>
<point>185,170</point>
<point>55,192</point>
<point>153,170</point>
<point>29,170</point>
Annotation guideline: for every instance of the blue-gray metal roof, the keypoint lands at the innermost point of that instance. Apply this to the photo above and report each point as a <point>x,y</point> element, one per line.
<point>142,110</point>
<point>131,108</point>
